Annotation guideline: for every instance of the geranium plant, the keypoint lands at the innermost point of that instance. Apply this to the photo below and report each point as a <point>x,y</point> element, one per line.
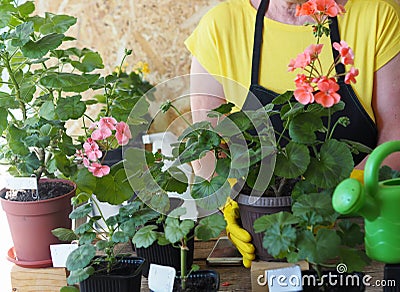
<point>42,82</point>
<point>309,163</point>
<point>177,232</point>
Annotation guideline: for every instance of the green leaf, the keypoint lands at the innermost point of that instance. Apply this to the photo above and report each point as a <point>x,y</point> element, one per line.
<point>283,98</point>
<point>8,101</point>
<point>209,227</point>
<point>3,120</point>
<point>15,138</point>
<point>334,165</point>
<point>5,14</point>
<point>302,128</point>
<point>224,108</point>
<point>279,239</point>
<point>85,180</point>
<point>210,194</point>
<point>315,209</point>
<point>176,230</point>
<point>69,289</point>
<point>320,248</point>
<point>79,275</point>
<point>145,236</point>
<point>38,49</point>
<point>68,82</point>
<point>80,257</point>
<point>354,259</point>
<point>87,238</point>
<point>120,236</point>
<point>21,34</point>
<point>173,180</point>
<point>102,244</point>
<point>70,108</point>
<point>281,219</point>
<point>350,233</point>
<point>81,211</point>
<point>64,234</point>
<point>90,61</point>
<point>47,111</point>
<point>113,189</point>
<point>293,162</point>
<point>26,8</point>
<point>81,229</point>
<point>57,23</point>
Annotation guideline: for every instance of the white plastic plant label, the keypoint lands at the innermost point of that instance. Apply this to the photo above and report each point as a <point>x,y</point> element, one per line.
<point>285,279</point>
<point>60,253</point>
<point>21,183</point>
<point>161,278</point>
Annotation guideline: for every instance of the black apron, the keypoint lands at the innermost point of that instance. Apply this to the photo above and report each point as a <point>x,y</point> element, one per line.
<point>361,129</point>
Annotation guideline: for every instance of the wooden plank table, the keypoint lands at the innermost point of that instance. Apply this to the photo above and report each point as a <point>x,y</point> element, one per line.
<point>238,277</point>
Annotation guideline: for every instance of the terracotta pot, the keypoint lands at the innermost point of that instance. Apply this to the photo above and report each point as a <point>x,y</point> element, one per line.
<point>251,208</point>
<point>31,224</point>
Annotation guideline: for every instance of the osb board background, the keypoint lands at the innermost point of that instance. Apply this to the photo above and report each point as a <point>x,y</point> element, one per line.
<point>154,29</point>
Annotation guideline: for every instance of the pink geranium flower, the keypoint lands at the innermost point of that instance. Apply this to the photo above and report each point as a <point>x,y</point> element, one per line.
<point>92,150</point>
<point>123,133</point>
<point>101,133</point>
<point>327,95</point>
<point>351,76</point>
<point>99,170</point>
<point>107,122</point>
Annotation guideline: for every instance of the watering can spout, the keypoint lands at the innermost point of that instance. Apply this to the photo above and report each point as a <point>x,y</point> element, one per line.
<point>350,198</point>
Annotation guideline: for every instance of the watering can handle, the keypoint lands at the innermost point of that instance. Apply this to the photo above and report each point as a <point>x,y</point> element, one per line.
<point>371,170</point>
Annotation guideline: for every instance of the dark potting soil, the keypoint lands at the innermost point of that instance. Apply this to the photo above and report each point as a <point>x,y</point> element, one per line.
<point>200,281</point>
<point>46,190</point>
<point>285,189</point>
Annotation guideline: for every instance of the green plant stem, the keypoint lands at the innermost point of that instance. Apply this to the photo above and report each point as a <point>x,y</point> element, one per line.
<point>184,251</point>
<point>329,125</point>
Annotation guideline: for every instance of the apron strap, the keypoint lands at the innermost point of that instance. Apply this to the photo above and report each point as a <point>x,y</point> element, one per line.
<point>258,39</point>
<point>335,37</point>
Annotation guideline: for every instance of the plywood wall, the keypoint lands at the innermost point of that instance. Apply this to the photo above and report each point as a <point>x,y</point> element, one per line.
<point>154,29</point>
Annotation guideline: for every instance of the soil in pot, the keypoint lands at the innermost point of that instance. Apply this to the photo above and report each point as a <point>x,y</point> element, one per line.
<point>46,190</point>
<point>199,281</point>
<point>126,276</point>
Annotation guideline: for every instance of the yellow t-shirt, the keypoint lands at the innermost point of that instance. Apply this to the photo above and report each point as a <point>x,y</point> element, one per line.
<point>223,44</point>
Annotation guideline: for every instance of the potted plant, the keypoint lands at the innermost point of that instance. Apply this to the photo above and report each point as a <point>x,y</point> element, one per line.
<point>42,82</point>
<point>301,159</point>
<point>98,264</point>
<point>120,92</point>
<point>178,233</point>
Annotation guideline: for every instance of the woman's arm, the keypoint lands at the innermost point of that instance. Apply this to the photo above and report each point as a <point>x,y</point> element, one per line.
<point>386,105</point>
<point>206,93</point>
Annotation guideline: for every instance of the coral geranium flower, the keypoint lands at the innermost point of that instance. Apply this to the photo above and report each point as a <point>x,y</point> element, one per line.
<point>345,52</point>
<point>351,76</point>
<point>327,95</point>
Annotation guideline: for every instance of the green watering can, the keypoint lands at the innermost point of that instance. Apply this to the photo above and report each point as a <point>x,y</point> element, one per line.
<point>378,203</point>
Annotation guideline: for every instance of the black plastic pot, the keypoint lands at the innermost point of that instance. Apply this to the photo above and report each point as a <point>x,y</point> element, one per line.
<point>165,255</point>
<point>199,281</point>
<point>332,281</point>
<point>126,277</point>
<point>251,208</point>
